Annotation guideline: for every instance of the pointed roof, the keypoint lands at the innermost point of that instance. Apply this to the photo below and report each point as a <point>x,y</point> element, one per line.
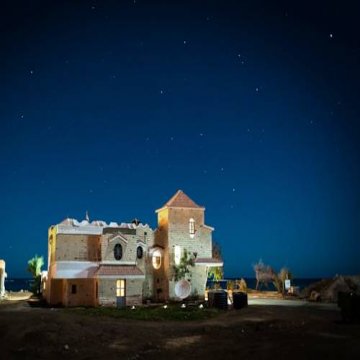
<point>181,200</point>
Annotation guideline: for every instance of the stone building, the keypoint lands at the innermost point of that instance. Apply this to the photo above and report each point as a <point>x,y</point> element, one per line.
<point>3,275</point>
<point>95,263</point>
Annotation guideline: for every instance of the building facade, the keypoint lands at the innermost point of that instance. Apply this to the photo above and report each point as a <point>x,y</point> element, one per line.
<point>3,275</point>
<point>95,263</point>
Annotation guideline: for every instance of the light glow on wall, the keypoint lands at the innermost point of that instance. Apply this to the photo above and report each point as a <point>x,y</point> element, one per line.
<point>156,259</point>
<point>177,254</point>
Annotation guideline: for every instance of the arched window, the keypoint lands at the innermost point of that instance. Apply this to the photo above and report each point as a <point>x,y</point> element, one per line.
<point>156,259</point>
<point>192,227</point>
<point>139,252</point>
<point>118,252</point>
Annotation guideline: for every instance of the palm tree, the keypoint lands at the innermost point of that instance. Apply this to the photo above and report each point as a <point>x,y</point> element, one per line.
<point>34,267</point>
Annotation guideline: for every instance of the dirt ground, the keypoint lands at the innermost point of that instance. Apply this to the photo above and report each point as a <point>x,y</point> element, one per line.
<point>257,332</point>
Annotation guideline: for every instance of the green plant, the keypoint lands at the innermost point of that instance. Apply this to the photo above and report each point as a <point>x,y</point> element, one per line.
<point>215,273</point>
<point>34,267</point>
<point>182,270</point>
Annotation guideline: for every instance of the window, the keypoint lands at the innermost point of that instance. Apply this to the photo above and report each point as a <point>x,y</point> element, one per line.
<point>118,252</point>
<point>192,227</point>
<point>139,252</point>
<point>120,287</point>
<point>156,259</point>
<point>73,289</point>
<point>177,254</point>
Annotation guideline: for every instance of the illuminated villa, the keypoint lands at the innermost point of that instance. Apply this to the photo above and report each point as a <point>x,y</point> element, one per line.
<point>95,263</point>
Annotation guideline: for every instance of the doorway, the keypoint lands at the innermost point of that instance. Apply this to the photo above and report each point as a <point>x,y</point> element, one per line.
<point>120,293</point>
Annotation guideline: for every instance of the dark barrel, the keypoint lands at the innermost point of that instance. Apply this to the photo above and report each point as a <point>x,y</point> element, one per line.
<point>218,299</point>
<point>240,300</point>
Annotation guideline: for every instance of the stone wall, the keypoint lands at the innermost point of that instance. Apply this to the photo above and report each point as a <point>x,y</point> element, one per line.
<point>77,247</point>
<point>84,295</point>
<point>107,292</point>
<point>134,292</point>
<point>174,230</point>
<point>55,293</point>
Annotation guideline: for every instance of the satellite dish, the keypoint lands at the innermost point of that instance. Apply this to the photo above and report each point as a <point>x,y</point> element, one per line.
<point>182,289</point>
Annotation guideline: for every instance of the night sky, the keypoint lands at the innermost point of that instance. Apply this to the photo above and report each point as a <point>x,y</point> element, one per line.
<point>250,107</point>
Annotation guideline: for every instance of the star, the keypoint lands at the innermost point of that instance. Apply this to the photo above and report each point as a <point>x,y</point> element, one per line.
<point>161,92</point>
<point>171,138</point>
<point>233,189</point>
<point>201,134</point>
<point>257,89</point>
<point>331,35</point>
<point>184,42</point>
<point>31,72</point>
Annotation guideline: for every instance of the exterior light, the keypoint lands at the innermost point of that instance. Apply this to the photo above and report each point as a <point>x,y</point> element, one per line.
<point>133,307</point>
<point>183,306</point>
<point>156,259</point>
<point>201,306</point>
<point>165,306</point>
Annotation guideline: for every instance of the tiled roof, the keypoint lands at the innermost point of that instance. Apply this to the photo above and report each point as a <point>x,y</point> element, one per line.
<point>119,270</point>
<point>180,199</point>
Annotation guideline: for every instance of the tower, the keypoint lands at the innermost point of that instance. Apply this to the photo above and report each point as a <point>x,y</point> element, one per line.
<point>181,228</point>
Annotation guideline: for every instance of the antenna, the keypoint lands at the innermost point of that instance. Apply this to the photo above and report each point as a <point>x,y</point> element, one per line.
<point>87,216</point>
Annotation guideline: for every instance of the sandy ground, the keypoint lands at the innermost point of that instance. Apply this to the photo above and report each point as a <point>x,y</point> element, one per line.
<point>273,328</point>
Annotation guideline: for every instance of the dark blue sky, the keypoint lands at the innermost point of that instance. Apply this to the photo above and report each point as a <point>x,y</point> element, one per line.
<point>250,107</point>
